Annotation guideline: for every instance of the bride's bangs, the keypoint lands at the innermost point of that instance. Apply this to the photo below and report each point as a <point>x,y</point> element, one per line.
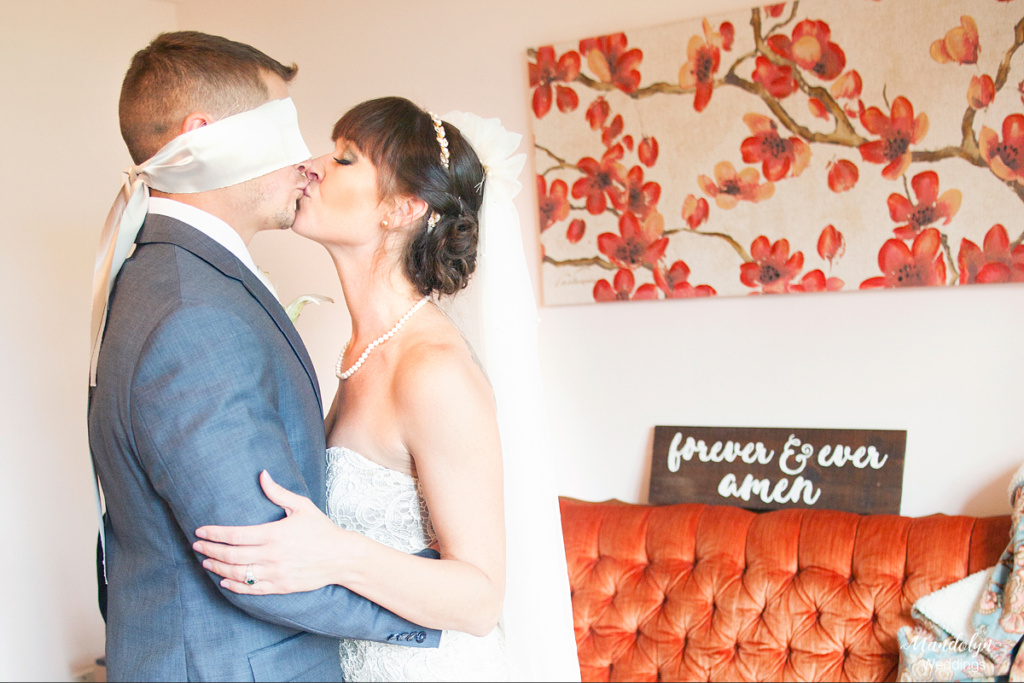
<point>381,130</point>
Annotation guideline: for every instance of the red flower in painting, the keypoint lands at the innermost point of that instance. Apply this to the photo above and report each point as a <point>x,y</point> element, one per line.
<point>814,51</point>
<point>574,233</point>
<point>612,131</point>
<point>960,44</point>
<point>920,265</point>
<point>898,132</point>
<point>815,281</point>
<point>546,71</point>
<point>1006,158</point>
<point>730,187</point>
<point>811,48</point>
<point>842,175</point>
<point>695,211</point>
<point>772,268</point>
<point>981,91</point>
<point>703,59</point>
<point>930,206</point>
<point>623,289</point>
<point>831,244</point>
<point>637,244</point>
<point>639,198</point>
<point>728,33</point>
<point>995,264</point>
<point>849,87</point>
<point>674,283</point>
<point>777,80</point>
<point>553,205</point>
<point>777,156</point>
<point>648,151</point>
<point>775,10</point>
<point>818,108</point>
<point>601,178</point>
<point>598,112</point>
<point>611,62</point>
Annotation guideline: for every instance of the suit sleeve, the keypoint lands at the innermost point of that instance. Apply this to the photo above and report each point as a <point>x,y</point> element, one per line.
<point>205,418</point>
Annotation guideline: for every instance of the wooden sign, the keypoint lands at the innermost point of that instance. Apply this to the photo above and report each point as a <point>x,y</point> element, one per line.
<point>855,470</point>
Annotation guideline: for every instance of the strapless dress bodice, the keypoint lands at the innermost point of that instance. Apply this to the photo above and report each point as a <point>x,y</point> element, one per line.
<point>388,506</point>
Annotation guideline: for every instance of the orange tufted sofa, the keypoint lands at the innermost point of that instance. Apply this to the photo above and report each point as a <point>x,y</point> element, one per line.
<point>717,593</point>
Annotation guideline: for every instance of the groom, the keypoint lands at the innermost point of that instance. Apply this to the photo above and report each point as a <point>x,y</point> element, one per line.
<point>201,381</point>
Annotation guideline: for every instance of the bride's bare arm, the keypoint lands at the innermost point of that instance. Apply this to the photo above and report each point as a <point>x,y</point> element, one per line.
<point>448,423</point>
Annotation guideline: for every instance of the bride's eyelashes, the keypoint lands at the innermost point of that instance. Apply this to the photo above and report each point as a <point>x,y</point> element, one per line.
<point>344,161</point>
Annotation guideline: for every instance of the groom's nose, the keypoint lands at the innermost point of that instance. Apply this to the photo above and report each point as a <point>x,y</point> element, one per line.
<point>310,172</point>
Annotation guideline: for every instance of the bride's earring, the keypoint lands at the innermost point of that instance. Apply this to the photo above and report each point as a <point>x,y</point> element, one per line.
<point>384,223</point>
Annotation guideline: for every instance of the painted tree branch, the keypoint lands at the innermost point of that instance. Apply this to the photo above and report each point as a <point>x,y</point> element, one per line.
<point>554,156</point>
<point>562,165</point>
<point>968,149</point>
<point>720,235</point>
<point>593,261</point>
<point>1003,73</point>
<point>781,24</point>
<point>844,133</point>
<point>955,274</point>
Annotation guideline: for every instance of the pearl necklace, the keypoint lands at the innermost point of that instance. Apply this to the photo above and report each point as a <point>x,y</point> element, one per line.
<point>375,343</point>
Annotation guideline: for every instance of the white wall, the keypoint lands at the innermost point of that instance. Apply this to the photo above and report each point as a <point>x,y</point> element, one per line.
<point>60,155</point>
<point>945,365</point>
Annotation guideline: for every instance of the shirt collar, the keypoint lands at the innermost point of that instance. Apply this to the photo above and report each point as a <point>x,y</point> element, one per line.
<point>208,224</point>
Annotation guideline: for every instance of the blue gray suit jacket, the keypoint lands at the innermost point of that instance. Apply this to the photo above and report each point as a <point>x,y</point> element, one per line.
<point>202,383</point>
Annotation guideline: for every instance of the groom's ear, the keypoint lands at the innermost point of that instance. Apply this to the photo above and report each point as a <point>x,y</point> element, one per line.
<point>196,119</point>
<point>408,210</point>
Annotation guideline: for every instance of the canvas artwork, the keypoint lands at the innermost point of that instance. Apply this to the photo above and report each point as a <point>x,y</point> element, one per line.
<point>811,146</point>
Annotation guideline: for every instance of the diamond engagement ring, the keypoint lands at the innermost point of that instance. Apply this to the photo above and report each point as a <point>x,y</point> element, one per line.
<point>250,576</point>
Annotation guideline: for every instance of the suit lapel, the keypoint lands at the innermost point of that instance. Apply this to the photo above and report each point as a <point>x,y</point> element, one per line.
<point>171,231</point>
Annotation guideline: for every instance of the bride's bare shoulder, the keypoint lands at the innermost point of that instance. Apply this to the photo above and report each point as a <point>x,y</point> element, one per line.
<point>442,400</point>
<point>439,363</point>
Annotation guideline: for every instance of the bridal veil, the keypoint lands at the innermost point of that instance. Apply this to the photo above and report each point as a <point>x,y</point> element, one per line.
<point>498,314</point>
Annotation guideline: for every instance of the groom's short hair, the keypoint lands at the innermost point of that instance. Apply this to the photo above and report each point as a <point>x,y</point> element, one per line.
<point>187,71</point>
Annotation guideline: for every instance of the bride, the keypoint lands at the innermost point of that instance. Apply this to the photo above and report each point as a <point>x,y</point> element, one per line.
<point>415,460</point>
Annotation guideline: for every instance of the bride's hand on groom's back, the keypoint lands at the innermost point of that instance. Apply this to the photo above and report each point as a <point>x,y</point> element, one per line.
<point>295,554</point>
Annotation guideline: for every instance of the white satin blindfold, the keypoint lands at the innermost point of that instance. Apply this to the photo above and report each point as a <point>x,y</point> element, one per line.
<point>224,153</point>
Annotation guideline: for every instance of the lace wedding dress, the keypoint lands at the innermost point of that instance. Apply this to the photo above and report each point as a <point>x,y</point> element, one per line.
<point>388,506</point>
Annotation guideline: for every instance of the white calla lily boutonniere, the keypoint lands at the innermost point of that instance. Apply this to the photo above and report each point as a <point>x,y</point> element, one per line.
<point>298,303</point>
<point>294,309</point>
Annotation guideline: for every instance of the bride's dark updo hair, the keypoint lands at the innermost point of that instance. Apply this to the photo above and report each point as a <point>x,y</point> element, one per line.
<point>401,141</point>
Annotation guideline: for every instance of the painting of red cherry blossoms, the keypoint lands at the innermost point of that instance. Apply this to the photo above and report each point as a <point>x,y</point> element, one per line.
<point>810,146</point>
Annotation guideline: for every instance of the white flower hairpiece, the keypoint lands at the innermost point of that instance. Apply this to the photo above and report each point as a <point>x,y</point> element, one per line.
<point>495,148</point>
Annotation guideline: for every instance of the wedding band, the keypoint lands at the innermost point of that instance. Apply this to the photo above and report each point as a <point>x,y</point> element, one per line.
<point>250,576</point>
